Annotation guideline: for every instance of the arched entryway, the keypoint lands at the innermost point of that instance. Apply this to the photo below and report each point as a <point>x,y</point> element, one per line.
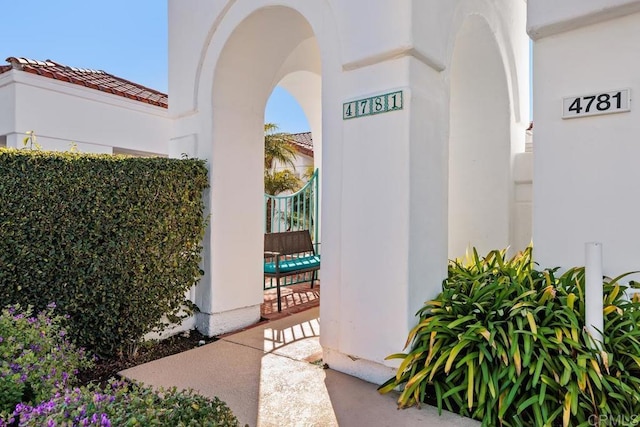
<point>270,46</point>
<point>380,261</point>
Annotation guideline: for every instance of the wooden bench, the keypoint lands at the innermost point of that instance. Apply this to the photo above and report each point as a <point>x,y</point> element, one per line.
<point>289,253</point>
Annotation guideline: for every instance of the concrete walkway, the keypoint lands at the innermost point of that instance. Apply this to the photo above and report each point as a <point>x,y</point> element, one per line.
<point>271,376</point>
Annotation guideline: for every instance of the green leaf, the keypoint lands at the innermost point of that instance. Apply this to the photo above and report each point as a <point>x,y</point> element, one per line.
<point>454,353</point>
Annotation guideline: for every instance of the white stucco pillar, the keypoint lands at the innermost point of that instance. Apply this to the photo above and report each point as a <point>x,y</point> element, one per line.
<point>393,233</point>
<point>585,168</point>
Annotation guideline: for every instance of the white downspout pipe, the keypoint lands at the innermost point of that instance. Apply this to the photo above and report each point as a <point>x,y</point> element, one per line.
<point>594,294</point>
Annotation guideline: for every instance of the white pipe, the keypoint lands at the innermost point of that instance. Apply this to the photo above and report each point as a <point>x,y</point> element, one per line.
<point>594,292</point>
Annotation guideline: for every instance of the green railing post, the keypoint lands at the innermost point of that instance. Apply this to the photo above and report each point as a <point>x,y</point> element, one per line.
<point>297,211</point>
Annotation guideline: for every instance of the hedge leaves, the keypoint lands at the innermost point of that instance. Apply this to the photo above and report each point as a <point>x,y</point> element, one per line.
<point>113,241</point>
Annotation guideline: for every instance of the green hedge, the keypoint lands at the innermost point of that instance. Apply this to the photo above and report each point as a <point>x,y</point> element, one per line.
<point>113,241</point>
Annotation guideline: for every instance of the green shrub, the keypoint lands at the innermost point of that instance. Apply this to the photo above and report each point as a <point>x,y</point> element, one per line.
<point>124,404</point>
<point>36,358</point>
<point>505,344</point>
<point>114,241</point>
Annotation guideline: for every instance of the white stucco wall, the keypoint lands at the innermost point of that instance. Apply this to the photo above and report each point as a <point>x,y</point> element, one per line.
<point>585,169</point>
<point>522,201</point>
<point>62,113</point>
<point>384,178</point>
<point>300,165</point>
<point>548,17</point>
<point>479,144</point>
<point>7,105</point>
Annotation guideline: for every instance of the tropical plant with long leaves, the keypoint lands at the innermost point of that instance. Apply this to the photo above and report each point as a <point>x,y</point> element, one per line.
<point>278,149</point>
<point>506,344</point>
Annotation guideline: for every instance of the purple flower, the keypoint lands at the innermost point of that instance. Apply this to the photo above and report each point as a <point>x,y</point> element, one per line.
<point>104,421</point>
<point>99,397</point>
<point>51,305</point>
<point>9,422</point>
<point>51,423</point>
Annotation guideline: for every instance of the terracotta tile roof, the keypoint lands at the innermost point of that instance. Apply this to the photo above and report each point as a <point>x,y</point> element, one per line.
<point>93,79</point>
<point>303,143</point>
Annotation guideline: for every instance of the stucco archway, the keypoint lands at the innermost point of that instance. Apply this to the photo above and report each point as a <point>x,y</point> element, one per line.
<point>271,45</point>
<point>480,185</point>
<point>379,261</point>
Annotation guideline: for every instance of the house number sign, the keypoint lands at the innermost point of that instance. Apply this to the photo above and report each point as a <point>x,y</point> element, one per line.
<point>374,105</point>
<point>617,101</point>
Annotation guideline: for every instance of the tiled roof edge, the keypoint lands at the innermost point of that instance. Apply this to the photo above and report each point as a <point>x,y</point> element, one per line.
<point>61,72</point>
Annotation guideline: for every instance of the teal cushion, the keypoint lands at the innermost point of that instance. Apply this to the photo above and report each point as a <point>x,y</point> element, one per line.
<point>287,265</point>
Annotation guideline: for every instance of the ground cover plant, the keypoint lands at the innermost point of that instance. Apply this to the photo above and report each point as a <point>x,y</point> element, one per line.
<point>505,343</point>
<point>36,356</point>
<point>38,368</point>
<point>125,404</point>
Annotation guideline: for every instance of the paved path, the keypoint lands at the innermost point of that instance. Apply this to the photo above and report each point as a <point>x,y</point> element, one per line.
<point>268,377</point>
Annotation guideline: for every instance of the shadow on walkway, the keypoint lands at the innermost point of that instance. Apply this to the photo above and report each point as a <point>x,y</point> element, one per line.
<point>295,298</point>
<point>272,375</point>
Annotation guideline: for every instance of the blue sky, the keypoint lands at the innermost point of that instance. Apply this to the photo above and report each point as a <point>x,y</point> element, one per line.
<point>126,38</point>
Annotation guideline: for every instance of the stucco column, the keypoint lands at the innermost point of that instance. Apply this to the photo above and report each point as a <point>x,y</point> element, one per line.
<point>585,169</point>
<point>393,210</point>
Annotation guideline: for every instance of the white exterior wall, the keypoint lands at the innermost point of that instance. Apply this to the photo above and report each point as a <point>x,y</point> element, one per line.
<point>7,106</point>
<point>384,178</point>
<point>548,17</point>
<point>523,200</point>
<point>300,165</point>
<point>63,113</point>
<point>585,169</point>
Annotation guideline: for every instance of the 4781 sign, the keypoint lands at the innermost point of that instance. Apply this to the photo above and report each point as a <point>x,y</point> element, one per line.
<point>618,101</point>
<point>374,105</point>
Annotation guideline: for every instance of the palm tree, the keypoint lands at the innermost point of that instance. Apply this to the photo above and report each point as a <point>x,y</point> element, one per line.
<point>279,182</point>
<point>278,148</point>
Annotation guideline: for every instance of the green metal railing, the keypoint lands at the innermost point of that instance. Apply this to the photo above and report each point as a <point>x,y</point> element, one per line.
<point>292,212</point>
